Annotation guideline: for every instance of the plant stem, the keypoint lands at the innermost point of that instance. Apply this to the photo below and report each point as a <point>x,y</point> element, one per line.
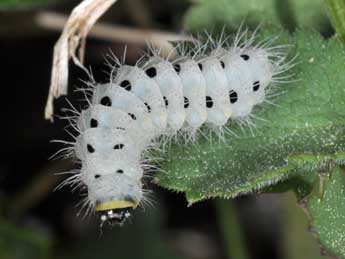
<point>336,11</point>
<point>231,230</point>
<point>298,243</point>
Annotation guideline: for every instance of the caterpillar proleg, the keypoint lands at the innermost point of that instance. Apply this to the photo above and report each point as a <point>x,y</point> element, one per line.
<point>206,86</point>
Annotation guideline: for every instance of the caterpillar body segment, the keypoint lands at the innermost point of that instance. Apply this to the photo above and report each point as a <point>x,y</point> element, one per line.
<point>170,84</point>
<point>134,80</point>
<point>128,115</point>
<point>114,118</point>
<point>218,105</point>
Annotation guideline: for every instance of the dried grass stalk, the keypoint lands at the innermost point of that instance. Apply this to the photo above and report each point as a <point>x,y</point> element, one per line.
<point>73,36</point>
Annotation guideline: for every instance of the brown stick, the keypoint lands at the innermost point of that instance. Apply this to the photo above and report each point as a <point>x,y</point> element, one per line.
<point>55,21</point>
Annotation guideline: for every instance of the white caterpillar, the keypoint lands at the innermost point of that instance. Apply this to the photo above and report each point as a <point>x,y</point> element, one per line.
<point>141,103</point>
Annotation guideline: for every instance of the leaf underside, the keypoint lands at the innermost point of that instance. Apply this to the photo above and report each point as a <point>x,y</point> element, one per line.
<point>326,210</point>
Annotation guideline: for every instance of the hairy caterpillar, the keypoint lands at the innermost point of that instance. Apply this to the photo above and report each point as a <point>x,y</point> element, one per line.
<point>207,85</point>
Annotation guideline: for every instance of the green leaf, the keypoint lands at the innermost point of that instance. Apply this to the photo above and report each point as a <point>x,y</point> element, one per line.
<point>302,134</point>
<point>303,14</point>
<point>326,210</point>
<point>23,243</point>
<point>311,14</point>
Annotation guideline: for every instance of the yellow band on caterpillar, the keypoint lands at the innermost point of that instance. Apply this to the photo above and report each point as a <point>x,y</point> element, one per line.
<point>110,205</point>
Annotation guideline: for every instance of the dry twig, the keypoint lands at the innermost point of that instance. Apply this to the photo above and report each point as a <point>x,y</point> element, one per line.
<point>118,33</point>
<point>75,30</point>
<point>73,36</point>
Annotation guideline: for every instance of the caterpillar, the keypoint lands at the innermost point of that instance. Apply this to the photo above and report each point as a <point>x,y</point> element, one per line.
<point>208,86</point>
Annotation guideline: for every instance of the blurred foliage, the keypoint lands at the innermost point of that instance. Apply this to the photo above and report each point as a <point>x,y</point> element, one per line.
<point>309,14</point>
<point>22,4</point>
<point>336,10</point>
<point>211,15</point>
<point>141,239</point>
<point>23,243</point>
<point>291,14</point>
<point>231,228</point>
<point>297,235</point>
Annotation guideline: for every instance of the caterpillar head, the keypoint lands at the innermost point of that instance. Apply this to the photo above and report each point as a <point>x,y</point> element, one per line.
<point>114,186</point>
<point>110,172</point>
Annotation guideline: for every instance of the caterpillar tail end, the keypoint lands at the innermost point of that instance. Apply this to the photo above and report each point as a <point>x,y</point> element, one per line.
<point>115,212</point>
